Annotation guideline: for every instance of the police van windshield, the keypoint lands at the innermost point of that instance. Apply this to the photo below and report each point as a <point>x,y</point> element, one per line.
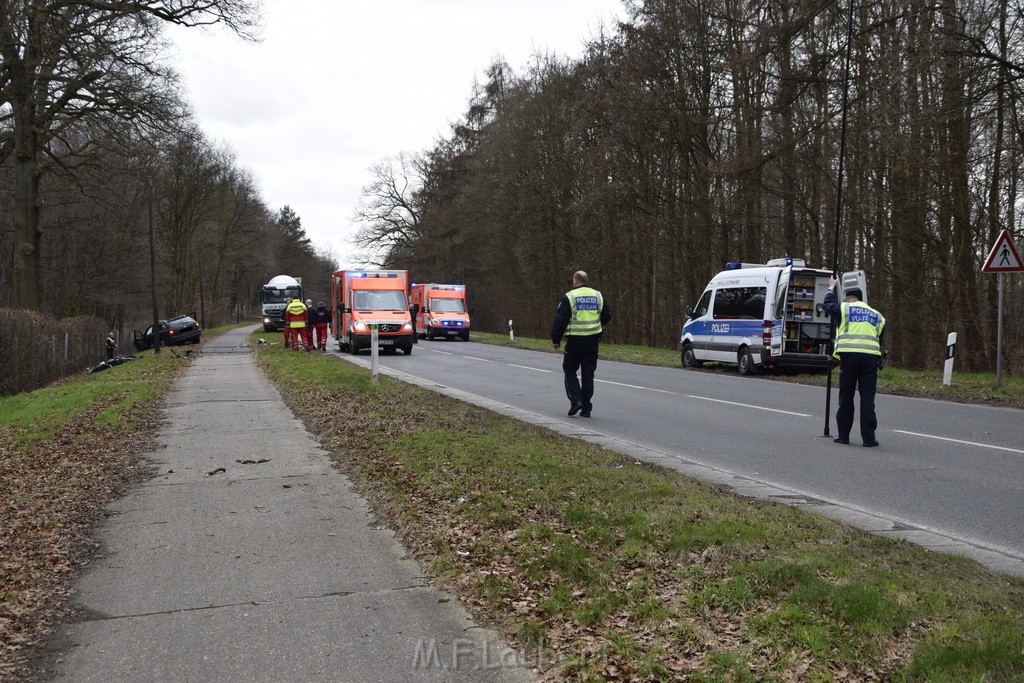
<point>379,300</point>
<point>447,305</point>
<point>743,303</point>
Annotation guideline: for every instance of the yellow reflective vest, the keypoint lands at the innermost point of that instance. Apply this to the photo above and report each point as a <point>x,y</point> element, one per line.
<point>859,329</point>
<point>296,308</point>
<point>585,305</point>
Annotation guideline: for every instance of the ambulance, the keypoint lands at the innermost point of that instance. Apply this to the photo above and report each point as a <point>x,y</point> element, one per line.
<point>440,311</point>
<point>762,316</point>
<point>363,298</point>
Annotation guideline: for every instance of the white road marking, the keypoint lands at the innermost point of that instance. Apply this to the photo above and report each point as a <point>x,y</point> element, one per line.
<point>634,386</point>
<point>747,405</point>
<point>447,353</point>
<point>967,443</point>
<point>485,360</point>
<point>527,367</point>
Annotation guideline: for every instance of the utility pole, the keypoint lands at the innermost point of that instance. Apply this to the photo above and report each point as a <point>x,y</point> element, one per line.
<point>152,272</point>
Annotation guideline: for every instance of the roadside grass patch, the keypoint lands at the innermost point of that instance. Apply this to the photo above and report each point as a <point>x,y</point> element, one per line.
<point>621,570</point>
<point>66,450</point>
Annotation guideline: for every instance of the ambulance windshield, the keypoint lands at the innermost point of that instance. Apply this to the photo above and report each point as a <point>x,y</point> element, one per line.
<point>447,305</point>
<point>379,300</point>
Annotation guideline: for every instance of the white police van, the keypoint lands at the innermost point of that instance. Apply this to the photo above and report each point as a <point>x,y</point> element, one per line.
<point>764,315</point>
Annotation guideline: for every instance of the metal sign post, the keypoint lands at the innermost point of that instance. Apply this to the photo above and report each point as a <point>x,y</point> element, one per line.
<point>373,352</point>
<point>1002,259</point>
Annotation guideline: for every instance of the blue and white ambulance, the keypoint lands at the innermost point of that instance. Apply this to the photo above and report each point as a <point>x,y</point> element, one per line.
<point>764,315</point>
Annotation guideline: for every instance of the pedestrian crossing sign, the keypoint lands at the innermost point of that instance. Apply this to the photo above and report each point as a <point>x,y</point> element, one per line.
<point>1004,257</point>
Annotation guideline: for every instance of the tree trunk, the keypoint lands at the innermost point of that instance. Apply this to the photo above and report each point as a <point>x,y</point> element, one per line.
<point>27,233</point>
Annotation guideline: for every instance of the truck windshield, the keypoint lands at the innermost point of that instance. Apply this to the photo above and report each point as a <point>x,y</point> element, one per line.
<point>379,300</point>
<point>277,296</point>
<point>448,305</point>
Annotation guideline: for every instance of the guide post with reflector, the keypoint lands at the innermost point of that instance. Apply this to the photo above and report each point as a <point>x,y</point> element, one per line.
<point>947,372</point>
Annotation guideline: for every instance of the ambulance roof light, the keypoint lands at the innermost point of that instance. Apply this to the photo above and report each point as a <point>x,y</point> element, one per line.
<point>733,265</point>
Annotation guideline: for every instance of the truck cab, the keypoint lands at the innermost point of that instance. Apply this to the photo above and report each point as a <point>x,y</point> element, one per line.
<point>364,299</point>
<point>273,296</point>
<point>762,316</point>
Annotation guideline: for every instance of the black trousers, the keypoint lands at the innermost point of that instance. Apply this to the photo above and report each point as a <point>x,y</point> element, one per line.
<point>858,372</point>
<point>580,354</point>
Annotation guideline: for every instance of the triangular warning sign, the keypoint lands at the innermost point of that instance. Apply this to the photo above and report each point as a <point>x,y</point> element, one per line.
<point>1004,257</point>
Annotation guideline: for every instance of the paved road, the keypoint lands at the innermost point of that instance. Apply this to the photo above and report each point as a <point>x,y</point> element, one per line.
<point>948,475</point>
<point>249,558</point>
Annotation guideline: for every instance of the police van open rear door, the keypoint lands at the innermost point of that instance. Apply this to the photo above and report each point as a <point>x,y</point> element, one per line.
<point>774,337</point>
<point>855,279</point>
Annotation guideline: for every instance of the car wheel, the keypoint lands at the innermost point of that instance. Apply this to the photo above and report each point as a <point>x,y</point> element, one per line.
<point>689,357</point>
<point>745,362</point>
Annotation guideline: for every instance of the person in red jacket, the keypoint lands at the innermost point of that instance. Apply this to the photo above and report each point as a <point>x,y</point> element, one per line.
<point>286,331</point>
<point>319,320</point>
<point>295,317</point>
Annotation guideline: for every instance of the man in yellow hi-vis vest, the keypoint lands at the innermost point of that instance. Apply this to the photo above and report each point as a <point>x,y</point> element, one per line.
<point>858,348</point>
<point>581,317</point>
<point>295,317</point>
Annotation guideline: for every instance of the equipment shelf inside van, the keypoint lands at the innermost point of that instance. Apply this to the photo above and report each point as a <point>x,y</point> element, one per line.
<point>764,315</point>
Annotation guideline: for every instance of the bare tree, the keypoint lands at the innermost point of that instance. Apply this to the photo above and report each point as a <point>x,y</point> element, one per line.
<point>388,212</point>
<point>64,63</point>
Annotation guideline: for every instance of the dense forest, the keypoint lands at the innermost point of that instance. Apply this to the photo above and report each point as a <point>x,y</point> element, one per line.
<point>689,134</point>
<point>108,182</point>
<point>698,132</point>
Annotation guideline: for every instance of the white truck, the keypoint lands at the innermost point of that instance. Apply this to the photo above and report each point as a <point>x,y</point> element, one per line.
<point>273,296</point>
<point>764,315</point>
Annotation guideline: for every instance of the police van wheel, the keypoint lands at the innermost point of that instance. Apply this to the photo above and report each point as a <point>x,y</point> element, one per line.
<point>690,357</point>
<point>745,362</point>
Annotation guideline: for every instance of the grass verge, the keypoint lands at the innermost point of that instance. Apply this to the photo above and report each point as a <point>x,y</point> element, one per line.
<point>967,387</point>
<point>602,568</point>
<point>65,452</point>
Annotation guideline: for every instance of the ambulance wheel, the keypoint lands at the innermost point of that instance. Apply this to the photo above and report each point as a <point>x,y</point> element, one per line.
<point>464,336</point>
<point>407,350</point>
<point>690,358</point>
<point>745,362</point>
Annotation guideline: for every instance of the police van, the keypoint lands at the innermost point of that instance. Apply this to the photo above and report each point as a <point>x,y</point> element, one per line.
<point>764,315</point>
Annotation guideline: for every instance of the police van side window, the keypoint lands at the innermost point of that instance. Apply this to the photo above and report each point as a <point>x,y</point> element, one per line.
<point>740,303</point>
<point>702,306</point>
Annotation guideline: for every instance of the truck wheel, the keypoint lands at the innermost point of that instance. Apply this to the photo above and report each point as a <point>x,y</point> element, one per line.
<point>690,357</point>
<point>745,362</point>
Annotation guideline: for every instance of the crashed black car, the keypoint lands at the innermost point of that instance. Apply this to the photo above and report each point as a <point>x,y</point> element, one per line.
<point>180,330</point>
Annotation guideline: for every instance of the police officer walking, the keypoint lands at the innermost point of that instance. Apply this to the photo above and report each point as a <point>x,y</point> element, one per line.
<point>581,317</point>
<point>859,349</point>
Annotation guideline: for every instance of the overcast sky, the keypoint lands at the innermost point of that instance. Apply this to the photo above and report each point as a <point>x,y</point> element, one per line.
<point>337,85</point>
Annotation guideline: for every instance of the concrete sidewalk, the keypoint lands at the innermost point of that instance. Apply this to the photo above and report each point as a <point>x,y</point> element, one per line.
<point>221,570</point>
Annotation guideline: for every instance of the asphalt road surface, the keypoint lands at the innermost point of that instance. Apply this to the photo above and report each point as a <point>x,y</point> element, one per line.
<point>949,468</point>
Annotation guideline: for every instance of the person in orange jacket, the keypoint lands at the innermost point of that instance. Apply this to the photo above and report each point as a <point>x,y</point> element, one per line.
<point>295,317</point>
<point>286,331</point>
